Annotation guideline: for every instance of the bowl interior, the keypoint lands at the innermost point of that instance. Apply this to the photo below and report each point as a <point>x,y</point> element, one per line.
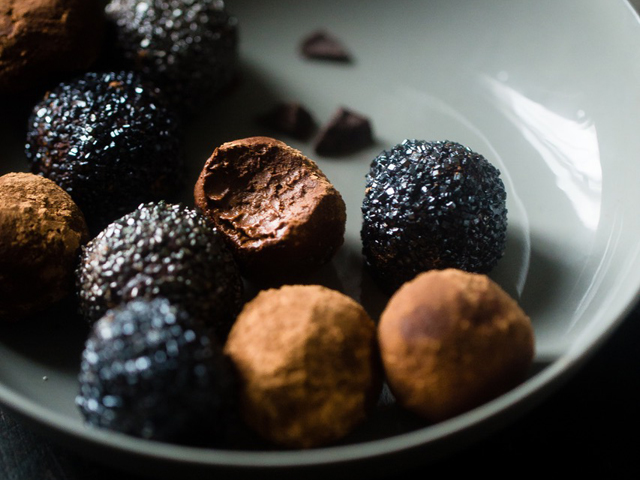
<point>546,90</point>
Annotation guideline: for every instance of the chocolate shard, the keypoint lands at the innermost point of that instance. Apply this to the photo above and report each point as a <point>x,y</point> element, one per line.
<point>323,45</point>
<point>289,118</point>
<point>347,132</point>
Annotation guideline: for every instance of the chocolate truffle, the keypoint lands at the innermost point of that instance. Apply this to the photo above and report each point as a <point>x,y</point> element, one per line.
<point>41,231</point>
<point>149,370</point>
<point>161,250</point>
<point>432,205</point>
<point>110,141</point>
<point>307,364</point>
<point>187,48</point>
<point>41,40</point>
<point>279,212</point>
<point>452,340</point>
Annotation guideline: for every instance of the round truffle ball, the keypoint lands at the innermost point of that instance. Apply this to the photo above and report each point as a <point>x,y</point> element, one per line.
<point>432,205</point>
<point>278,211</point>
<point>150,371</point>
<point>187,48</point>
<point>307,364</point>
<point>110,141</point>
<point>45,39</point>
<point>41,231</point>
<point>161,250</point>
<point>452,340</point>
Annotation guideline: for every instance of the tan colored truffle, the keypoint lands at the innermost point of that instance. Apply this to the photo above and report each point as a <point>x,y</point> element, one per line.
<point>452,340</point>
<point>41,231</point>
<point>279,212</point>
<point>41,39</point>
<point>307,362</point>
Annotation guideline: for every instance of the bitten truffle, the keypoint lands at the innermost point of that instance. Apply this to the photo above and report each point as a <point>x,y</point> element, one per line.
<point>452,340</point>
<point>42,40</point>
<point>278,211</point>
<point>307,364</point>
<point>432,205</point>
<point>41,231</point>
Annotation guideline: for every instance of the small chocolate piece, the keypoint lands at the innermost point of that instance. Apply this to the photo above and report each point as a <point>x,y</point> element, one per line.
<point>324,46</point>
<point>347,132</point>
<point>307,363</point>
<point>452,340</point>
<point>41,231</point>
<point>278,211</point>
<point>291,119</point>
<point>42,40</point>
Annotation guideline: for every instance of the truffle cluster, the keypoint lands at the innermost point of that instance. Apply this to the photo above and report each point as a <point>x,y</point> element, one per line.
<point>149,370</point>
<point>432,205</point>
<point>108,140</point>
<point>187,48</point>
<point>161,250</point>
<point>41,231</point>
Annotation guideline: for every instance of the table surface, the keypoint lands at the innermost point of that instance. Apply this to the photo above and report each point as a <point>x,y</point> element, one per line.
<point>583,427</point>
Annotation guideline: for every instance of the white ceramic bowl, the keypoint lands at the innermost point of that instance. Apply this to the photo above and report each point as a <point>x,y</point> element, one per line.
<point>547,90</point>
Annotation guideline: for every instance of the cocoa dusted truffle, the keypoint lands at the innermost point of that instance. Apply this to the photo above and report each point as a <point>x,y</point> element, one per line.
<point>307,364</point>
<point>278,211</point>
<point>452,340</point>
<point>45,39</point>
<point>41,231</point>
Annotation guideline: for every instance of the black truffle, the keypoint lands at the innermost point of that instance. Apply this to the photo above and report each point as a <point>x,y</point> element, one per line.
<point>109,141</point>
<point>161,250</point>
<point>432,205</point>
<point>149,370</point>
<point>187,48</point>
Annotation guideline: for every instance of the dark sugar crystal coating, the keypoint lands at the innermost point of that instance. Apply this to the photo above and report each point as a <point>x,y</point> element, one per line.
<point>432,205</point>
<point>187,47</point>
<point>161,250</point>
<point>109,141</point>
<point>149,370</point>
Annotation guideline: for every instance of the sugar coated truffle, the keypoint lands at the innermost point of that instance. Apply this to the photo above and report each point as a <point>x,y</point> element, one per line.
<point>110,141</point>
<point>150,371</point>
<point>278,211</point>
<point>161,250</point>
<point>452,340</point>
<point>188,48</point>
<point>307,364</point>
<point>432,205</point>
<point>45,39</point>
<point>41,231</point>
